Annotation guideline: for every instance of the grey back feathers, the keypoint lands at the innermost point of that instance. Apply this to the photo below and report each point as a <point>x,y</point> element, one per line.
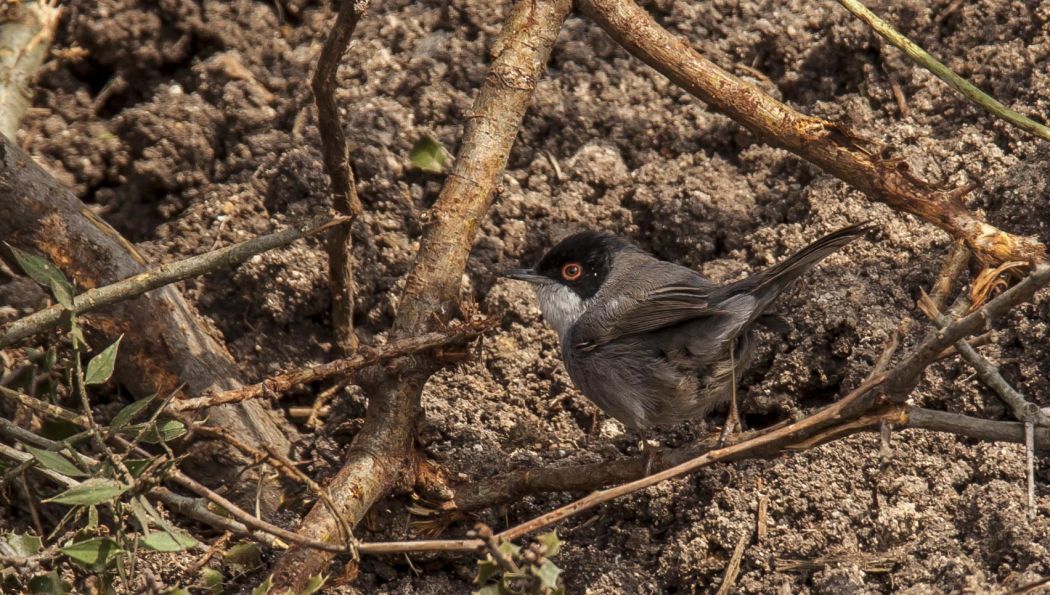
<point>650,341</point>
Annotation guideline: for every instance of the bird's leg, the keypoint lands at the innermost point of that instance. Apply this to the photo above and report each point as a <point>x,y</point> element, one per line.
<point>648,451</point>
<point>733,415</point>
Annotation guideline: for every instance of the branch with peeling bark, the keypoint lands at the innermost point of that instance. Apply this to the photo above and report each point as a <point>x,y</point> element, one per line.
<point>25,42</point>
<point>828,145</point>
<point>380,455</point>
<point>165,345</point>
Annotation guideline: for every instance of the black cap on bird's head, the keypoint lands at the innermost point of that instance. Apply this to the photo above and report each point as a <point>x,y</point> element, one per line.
<point>581,262</point>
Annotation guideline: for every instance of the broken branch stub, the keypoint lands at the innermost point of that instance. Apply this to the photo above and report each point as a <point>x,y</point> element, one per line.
<point>831,146</point>
<point>381,454</point>
<point>165,344</point>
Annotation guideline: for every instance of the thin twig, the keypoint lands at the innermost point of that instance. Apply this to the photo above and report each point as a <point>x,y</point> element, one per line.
<point>963,86</point>
<point>733,569</point>
<point>337,164</point>
<point>1029,456</point>
<point>904,377</point>
<point>988,373</point>
<point>160,276</point>
<point>281,383</point>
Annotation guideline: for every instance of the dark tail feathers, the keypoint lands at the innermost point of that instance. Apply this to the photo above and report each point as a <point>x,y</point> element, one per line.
<point>768,284</point>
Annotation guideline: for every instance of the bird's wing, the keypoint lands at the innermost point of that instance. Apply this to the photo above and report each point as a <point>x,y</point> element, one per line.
<point>657,309</point>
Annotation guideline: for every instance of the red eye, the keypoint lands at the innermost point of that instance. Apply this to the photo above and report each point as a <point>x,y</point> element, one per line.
<point>571,271</point>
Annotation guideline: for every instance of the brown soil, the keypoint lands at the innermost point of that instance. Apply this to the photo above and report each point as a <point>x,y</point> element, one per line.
<point>189,125</point>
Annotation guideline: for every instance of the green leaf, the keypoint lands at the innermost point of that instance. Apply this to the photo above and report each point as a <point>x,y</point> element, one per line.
<point>125,415</point>
<point>23,545</point>
<point>54,461</point>
<point>63,293</point>
<point>92,521</point>
<point>548,574</point>
<point>264,587</point>
<point>48,584</point>
<point>93,553</point>
<point>243,556</point>
<point>100,368</point>
<point>76,335</point>
<point>551,542</point>
<point>314,585</point>
<point>487,569</point>
<point>136,466</point>
<point>157,432</point>
<point>493,589</point>
<point>510,550</point>
<point>91,491</point>
<point>212,580</point>
<point>164,541</point>
<point>46,274</point>
<point>428,155</point>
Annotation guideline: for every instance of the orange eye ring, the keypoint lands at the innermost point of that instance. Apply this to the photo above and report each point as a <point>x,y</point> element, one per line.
<point>571,271</point>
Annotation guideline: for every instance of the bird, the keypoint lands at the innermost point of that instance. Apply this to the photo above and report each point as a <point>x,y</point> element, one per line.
<point>651,342</point>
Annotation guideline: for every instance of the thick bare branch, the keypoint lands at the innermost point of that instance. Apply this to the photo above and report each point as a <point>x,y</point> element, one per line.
<point>165,345</point>
<point>831,146</point>
<point>381,454</point>
<point>24,44</point>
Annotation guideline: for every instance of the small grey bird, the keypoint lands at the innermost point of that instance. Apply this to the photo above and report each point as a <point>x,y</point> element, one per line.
<point>651,342</point>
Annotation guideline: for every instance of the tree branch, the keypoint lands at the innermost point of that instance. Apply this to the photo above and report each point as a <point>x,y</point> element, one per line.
<point>831,146</point>
<point>165,345</point>
<point>166,274</point>
<point>24,44</point>
<point>380,455</point>
<point>281,383</point>
<point>337,164</point>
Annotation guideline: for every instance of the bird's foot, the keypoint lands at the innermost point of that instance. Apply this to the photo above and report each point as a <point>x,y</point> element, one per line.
<point>649,452</point>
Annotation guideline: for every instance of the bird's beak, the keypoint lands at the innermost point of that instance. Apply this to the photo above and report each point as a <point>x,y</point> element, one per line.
<point>529,275</point>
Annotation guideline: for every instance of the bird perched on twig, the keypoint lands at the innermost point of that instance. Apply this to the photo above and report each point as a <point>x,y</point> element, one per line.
<point>651,342</point>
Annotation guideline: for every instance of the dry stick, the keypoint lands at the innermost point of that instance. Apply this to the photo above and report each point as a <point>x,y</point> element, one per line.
<point>762,444</point>
<point>831,146</point>
<point>1029,456</point>
<point>924,59</point>
<point>380,454</point>
<point>903,379</point>
<point>733,569</point>
<point>337,164</point>
<point>989,374</point>
<point>159,277</point>
<point>24,45</point>
<point>281,383</point>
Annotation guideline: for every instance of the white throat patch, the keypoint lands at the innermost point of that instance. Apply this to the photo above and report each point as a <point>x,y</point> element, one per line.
<point>560,305</point>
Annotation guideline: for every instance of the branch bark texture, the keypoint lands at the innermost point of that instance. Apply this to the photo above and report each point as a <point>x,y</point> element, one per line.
<point>165,344</point>
<point>830,146</point>
<point>382,454</point>
<point>337,164</point>
<point>24,45</point>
